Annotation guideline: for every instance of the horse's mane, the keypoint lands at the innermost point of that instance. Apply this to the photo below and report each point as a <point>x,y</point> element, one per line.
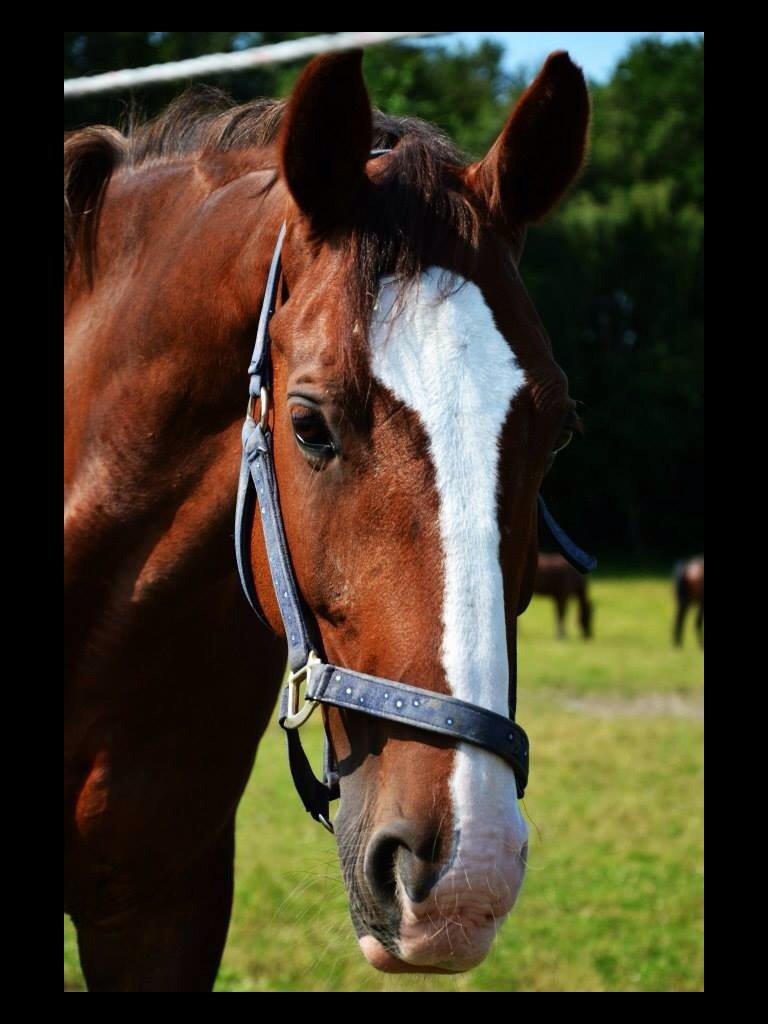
<point>419,212</point>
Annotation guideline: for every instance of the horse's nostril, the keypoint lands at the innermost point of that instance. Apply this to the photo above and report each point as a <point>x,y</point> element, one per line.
<point>380,867</point>
<point>406,852</point>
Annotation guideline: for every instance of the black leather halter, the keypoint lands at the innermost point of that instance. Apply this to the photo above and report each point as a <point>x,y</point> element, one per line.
<point>331,684</point>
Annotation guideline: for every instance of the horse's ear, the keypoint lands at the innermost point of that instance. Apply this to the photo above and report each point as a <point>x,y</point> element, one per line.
<point>541,149</point>
<point>326,138</point>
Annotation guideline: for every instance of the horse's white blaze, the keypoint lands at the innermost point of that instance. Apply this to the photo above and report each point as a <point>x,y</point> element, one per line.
<point>446,360</point>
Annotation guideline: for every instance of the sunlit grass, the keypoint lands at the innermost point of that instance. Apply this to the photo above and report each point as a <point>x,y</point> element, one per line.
<point>631,653</point>
<point>613,896</point>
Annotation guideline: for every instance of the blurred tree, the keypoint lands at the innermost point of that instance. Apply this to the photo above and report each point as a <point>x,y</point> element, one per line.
<point>91,53</point>
<point>618,276</point>
<point>616,272</point>
<point>466,93</point>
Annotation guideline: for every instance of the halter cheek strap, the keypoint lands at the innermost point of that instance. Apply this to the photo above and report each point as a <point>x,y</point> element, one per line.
<point>331,684</point>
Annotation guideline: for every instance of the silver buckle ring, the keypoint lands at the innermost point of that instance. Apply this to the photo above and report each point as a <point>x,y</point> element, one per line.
<point>264,403</point>
<point>297,716</point>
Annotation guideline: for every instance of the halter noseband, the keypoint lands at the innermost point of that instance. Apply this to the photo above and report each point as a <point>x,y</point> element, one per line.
<point>331,684</point>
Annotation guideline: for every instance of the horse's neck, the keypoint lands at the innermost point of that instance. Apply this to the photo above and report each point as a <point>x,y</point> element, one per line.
<point>155,375</point>
<point>157,350</point>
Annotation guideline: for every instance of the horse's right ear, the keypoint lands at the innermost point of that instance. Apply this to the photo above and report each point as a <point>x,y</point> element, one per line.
<point>326,138</point>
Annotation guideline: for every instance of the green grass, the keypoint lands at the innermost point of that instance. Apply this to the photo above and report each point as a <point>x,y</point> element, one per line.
<point>613,898</point>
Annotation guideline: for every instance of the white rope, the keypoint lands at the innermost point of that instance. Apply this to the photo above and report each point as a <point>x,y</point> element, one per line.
<point>217,63</point>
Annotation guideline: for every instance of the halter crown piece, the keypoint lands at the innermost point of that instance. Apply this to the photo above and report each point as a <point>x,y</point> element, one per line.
<point>331,684</point>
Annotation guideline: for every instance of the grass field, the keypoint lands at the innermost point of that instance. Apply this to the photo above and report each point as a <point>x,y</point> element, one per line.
<point>613,897</point>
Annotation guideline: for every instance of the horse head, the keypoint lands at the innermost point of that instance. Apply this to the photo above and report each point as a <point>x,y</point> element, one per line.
<point>415,406</point>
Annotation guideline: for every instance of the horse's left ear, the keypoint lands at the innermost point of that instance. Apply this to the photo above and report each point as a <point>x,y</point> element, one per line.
<point>326,138</point>
<point>541,149</point>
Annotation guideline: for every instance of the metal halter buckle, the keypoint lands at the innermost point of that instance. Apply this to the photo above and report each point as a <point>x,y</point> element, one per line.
<point>264,402</point>
<point>296,717</point>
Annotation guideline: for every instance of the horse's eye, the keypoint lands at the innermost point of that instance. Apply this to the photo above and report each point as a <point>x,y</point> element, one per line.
<point>566,436</point>
<point>312,433</point>
<point>572,423</point>
<point>563,441</point>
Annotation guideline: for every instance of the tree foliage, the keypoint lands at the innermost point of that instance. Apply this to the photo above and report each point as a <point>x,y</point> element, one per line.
<point>616,272</point>
<point>618,276</point>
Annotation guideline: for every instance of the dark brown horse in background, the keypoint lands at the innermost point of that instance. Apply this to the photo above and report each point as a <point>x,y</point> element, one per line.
<point>408,449</point>
<point>689,591</point>
<point>557,579</point>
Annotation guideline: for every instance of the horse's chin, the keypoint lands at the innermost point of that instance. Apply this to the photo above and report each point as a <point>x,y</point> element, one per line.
<point>380,958</point>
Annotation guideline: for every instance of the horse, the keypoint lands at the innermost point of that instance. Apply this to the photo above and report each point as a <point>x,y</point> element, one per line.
<point>689,590</point>
<point>414,403</point>
<point>557,579</point>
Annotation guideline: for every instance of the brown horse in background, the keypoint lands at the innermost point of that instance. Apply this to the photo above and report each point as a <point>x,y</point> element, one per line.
<point>409,450</point>
<point>557,579</point>
<point>689,590</point>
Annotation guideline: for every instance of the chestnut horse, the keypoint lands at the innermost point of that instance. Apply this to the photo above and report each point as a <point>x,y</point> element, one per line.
<point>557,579</point>
<point>689,590</point>
<point>408,449</point>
